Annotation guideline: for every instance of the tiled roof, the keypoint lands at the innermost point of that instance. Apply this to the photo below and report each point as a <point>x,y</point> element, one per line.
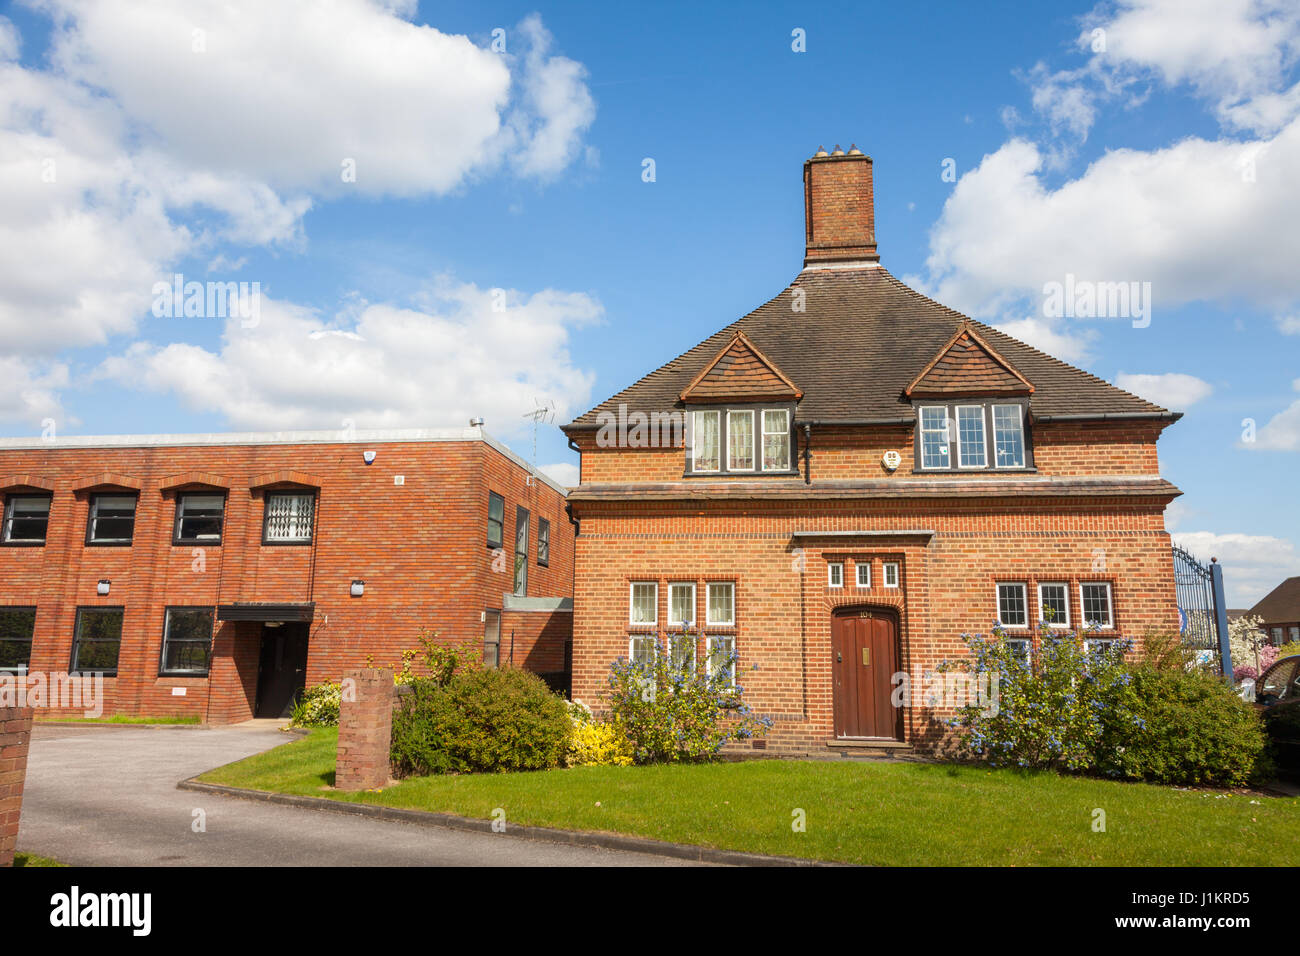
<point>968,366</point>
<point>739,371</point>
<point>1281,605</point>
<point>861,338</point>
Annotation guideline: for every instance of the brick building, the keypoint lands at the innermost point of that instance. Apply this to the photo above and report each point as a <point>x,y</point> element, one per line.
<point>1279,613</point>
<point>214,575</point>
<point>838,485</point>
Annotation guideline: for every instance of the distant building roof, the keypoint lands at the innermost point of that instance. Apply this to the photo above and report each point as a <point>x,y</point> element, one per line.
<point>1281,605</point>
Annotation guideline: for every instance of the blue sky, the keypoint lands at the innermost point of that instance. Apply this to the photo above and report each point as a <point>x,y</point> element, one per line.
<point>142,139</point>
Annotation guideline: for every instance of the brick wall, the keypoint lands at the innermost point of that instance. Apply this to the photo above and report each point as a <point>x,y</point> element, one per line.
<point>420,547</point>
<point>784,604</point>
<point>15,738</point>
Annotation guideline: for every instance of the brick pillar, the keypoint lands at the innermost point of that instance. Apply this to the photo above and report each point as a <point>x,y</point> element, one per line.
<point>15,736</point>
<point>365,729</point>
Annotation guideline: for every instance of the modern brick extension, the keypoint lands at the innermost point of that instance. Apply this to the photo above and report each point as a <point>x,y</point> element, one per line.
<point>284,527</point>
<point>851,423</point>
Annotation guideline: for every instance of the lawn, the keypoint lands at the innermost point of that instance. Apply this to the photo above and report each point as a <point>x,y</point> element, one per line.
<point>897,814</point>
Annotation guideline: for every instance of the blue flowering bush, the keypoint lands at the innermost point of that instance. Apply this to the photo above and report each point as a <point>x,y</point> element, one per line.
<point>1182,727</point>
<point>1044,713</point>
<point>680,712</point>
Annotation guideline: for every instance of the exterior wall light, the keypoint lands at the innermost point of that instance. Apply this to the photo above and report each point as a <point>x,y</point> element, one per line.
<point>358,588</point>
<point>102,587</point>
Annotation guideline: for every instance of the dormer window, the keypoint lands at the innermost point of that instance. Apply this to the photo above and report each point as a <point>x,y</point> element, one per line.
<point>971,437</point>
<point>739,441</point>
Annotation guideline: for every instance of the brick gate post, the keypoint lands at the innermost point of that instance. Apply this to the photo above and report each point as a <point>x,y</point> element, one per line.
<point>15,737</point>
<point>365,729</point>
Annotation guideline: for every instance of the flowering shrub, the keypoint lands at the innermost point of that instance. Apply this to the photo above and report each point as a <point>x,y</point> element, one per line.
<point>442,661</point>
<point>680,713</point>
<point>1046,713</point>
<point>1288,650</point>
<point>599,744</point>
<point>1249,647</point>
<point>318,706</point>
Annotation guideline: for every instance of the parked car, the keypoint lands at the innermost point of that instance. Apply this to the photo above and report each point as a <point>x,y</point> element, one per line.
<point>1277,696</point>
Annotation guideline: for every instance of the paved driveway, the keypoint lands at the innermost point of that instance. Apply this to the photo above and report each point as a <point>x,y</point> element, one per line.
<point>100,796</point>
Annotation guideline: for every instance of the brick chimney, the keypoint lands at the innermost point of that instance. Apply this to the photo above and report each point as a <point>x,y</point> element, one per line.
<point>839,208</point>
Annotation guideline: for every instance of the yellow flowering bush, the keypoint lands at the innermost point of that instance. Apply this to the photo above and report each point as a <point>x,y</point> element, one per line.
<point>599,745</point>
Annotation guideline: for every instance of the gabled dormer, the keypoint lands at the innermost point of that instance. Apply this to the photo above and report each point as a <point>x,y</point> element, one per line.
<point>740,414</point>
<point>972,409</point>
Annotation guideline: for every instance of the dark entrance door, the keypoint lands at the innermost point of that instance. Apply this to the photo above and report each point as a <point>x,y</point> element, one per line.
<point>282,671</point>
<point>864,659</point>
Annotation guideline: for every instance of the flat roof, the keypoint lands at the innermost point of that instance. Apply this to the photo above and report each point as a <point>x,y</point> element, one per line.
<point>331,436</point>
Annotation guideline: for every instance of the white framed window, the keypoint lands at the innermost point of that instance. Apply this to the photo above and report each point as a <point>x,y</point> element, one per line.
<point>1008,436</point>
<point>1054,604</point>
<point>1295,633</point>
<point>706,441</point>
<point>1277,635</point>
<point>643,649</point>
<point>835,574</point>
<point>863,571</point>
<point>776,439</point>
<point>1095,605</point>
<point>740,441</point>
<point>1022,649</point>
<point>934,436</point>
<point>1095,646</point>
<point>889,574</point>
<point>971,450</point>
<point>721,610</point>
<point>721,650</point>
<point>681,652</point>
<point>1012,608</point>
<point>681,604</point>
<point>643,603</point>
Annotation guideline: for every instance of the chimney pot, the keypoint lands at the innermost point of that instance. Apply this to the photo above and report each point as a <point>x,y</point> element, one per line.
<point>821,151</point>
<point>839,208</point>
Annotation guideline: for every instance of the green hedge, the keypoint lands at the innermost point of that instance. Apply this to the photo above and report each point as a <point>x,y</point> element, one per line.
<point>1182,727</point>
<point>480,720</point>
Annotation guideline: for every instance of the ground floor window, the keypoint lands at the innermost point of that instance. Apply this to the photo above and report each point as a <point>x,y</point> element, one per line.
<point>643,649</point>
<point>17,624</point>
<point>890,569</point>
<point>1094,601</point>
<point>681,652</point>
<point>1011,605</point>
<point>1022,649</point>
<point>722,652</point>
<point>187,642</point>
<point>97,641</point>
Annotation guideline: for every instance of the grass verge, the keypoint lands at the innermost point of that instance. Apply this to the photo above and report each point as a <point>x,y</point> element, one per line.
<point>899,814</point>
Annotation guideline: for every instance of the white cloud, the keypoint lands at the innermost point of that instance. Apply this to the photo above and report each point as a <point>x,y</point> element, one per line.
<point>29,391</point>
<point>1174,390</point>
<point>1051,336</point>
<point>563,472</point>
<point>160,129</point>
<point>1289,324</point>
<point>380,365</point>
<point>1156,216</point>
<point>1282,431</point>
<point>1253,564</point>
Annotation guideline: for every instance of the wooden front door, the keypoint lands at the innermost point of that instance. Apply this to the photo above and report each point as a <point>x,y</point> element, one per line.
<point>864,659</point>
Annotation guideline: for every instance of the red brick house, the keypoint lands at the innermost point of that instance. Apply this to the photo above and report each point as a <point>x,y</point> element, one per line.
<point>1279,613</point>
<point>215,575</point>
<point>838,485</point>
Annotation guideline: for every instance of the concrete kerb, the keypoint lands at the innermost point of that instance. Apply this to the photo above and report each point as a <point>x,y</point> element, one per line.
<point>588,838</point>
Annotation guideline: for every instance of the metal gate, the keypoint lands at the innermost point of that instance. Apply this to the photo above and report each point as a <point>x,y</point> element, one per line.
<point>1202,616</point>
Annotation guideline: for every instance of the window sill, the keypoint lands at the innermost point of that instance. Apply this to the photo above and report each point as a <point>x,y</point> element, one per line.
<point>195,542</point>
<point>24,544</point>
<point>110,544</point>
<point>287,544</point>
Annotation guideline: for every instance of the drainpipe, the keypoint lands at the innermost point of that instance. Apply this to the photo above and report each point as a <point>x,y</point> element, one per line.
<point>807,453</point>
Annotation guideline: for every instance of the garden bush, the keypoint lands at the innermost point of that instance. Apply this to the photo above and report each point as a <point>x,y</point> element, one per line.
<point>1186,727</point>
<point>671,712</point>
<point>318,706</point>
<point>1046,714</point>
<point>479,720</point>
<point>599,744</point>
